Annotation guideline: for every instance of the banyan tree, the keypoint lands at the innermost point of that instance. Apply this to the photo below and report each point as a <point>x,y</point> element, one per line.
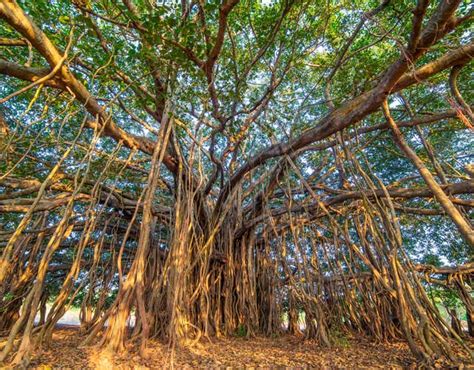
<point>193,169</point>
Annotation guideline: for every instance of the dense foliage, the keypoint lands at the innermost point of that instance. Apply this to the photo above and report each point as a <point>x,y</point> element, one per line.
<point>207,166</point>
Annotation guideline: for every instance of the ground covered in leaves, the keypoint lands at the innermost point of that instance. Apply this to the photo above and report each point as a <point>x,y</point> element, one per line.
<point>284,351</point>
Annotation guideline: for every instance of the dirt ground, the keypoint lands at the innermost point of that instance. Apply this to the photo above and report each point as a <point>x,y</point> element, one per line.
<point>284,351</point>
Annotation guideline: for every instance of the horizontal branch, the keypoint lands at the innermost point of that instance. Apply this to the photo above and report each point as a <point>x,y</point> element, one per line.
<point>30,74</point>
<point>466,187</point>
<point>22,205</point>
<point>12,42</point>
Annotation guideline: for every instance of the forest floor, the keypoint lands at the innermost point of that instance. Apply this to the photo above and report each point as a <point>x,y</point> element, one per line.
<point>283,351</point>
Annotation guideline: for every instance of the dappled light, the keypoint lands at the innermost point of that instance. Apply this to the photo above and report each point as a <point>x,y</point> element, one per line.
<point>236,183</point>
